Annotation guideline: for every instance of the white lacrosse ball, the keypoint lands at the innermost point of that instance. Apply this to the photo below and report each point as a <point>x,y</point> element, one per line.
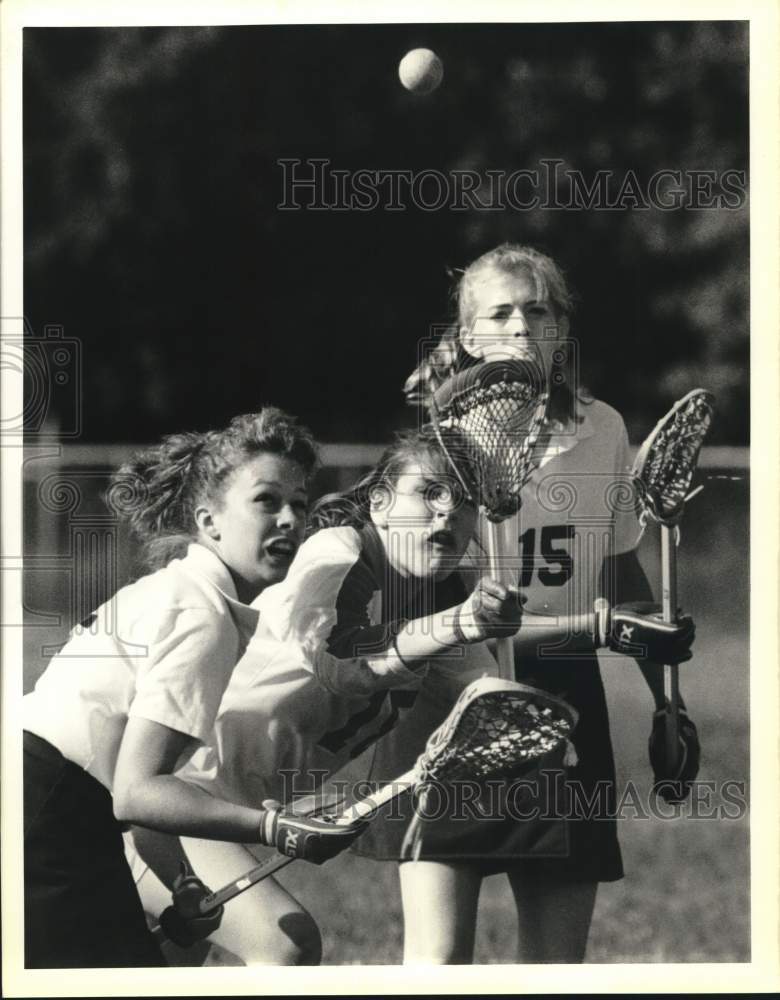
<point>421,71</point>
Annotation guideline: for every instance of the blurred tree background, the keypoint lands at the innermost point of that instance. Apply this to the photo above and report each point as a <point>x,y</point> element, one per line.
<point>152,232</point>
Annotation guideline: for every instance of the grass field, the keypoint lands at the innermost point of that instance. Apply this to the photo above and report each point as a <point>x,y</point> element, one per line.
<point>685,897</point>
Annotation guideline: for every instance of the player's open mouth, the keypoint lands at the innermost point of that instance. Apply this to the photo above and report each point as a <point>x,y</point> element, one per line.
<point>281,548</point>
<point>442,539</point>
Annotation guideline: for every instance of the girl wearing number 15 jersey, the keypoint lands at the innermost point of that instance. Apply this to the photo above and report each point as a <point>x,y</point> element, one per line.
<point>576,539</point>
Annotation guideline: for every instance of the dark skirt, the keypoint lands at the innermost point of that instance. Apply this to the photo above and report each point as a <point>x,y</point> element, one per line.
<point>546,821</point>
<point>81,906</point>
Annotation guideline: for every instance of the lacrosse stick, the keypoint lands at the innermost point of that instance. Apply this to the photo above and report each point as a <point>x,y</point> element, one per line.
<point>662,474</point>
<point>494,726</point>
<point>497,409</point>
<point>310,805</point>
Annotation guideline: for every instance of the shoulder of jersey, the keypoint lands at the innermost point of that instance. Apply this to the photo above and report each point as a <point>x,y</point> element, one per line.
<point>332,544</point>
<point>321,562</point>
<point>602,410</point>
<point>603,416</point>
<point>171,590</point>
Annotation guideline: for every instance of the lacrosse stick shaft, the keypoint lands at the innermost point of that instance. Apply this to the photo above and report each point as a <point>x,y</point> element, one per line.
<point>359,810</point>
<point>501,538</point>
<point>669,607</point>
<point>304,807</point>
<point>235,888</point>
<point>244,882</point>
<point>366,806</point>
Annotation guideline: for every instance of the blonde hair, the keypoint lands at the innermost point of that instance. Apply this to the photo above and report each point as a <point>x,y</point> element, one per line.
<point>157,492</point>
<point>550,284</point>
<point>510,258</point>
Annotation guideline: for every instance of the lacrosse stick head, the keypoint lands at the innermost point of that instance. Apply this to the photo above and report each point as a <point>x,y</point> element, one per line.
<point>665,464</point>
<point>495,727</point>
<point>498,409</point>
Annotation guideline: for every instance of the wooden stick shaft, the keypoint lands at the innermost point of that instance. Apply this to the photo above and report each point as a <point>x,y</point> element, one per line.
<point>671,681</point>
<point>244,882</point>
<point>502,546</point>
<point>389,791</point>
<point>359,810</point>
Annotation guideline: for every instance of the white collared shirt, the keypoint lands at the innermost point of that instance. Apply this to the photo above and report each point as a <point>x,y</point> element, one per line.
<point>161,649</point>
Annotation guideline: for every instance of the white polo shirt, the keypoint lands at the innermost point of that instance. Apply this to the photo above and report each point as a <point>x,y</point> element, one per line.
<point>161,649</point>
<point>284,723</point>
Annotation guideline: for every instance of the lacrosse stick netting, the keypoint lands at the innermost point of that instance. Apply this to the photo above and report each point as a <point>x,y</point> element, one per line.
<point>666,462</point>
<point>662,473</point>
<point>495,727</point>
<point>498,410</point>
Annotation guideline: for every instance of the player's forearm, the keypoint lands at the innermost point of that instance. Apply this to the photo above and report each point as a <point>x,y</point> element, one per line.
<point>577,632</point>
<point>414,645</point>
<point>170,805</point>
<point>417,642</point>
<point>430,637</point>
<point>162,852</point>
<point>491,609</point>
<point>424,638</point>
<point>368,664</point>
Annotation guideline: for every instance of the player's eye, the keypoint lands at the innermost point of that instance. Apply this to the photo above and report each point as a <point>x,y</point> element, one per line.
<point>443,496</point>
<point>300,507</point>
<point>501,313</point>
<point>267,500</point>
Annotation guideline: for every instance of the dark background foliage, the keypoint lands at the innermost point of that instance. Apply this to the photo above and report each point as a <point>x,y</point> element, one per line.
<point>152,232</point>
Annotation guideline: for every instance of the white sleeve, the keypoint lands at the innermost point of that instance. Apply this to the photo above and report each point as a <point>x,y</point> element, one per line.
<point>302,608</point>
<point>359,678</point>
<point>181,681</point>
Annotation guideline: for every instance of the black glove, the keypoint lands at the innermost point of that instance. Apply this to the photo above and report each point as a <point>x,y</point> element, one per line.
<point>638,629</point>
<point>183,923</point>
<point>673,778</point>
<point>312,838</point>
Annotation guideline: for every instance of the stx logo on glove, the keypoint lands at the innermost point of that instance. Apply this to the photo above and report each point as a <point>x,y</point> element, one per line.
<point>291,843</point>
<point>310,837</point>
<point>638,629</point>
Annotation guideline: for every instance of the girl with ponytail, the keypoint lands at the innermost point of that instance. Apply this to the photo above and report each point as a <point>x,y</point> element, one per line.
<point>372,603</point>
<point>136,688</point>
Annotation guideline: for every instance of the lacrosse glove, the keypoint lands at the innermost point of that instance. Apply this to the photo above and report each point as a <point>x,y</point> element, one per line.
<point>182,922</point>
<point>673,779</point>
<point>312,838</point>
<point>638,629</point>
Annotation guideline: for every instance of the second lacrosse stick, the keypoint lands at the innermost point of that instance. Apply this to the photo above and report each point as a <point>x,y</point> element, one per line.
<point>662,474</point>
